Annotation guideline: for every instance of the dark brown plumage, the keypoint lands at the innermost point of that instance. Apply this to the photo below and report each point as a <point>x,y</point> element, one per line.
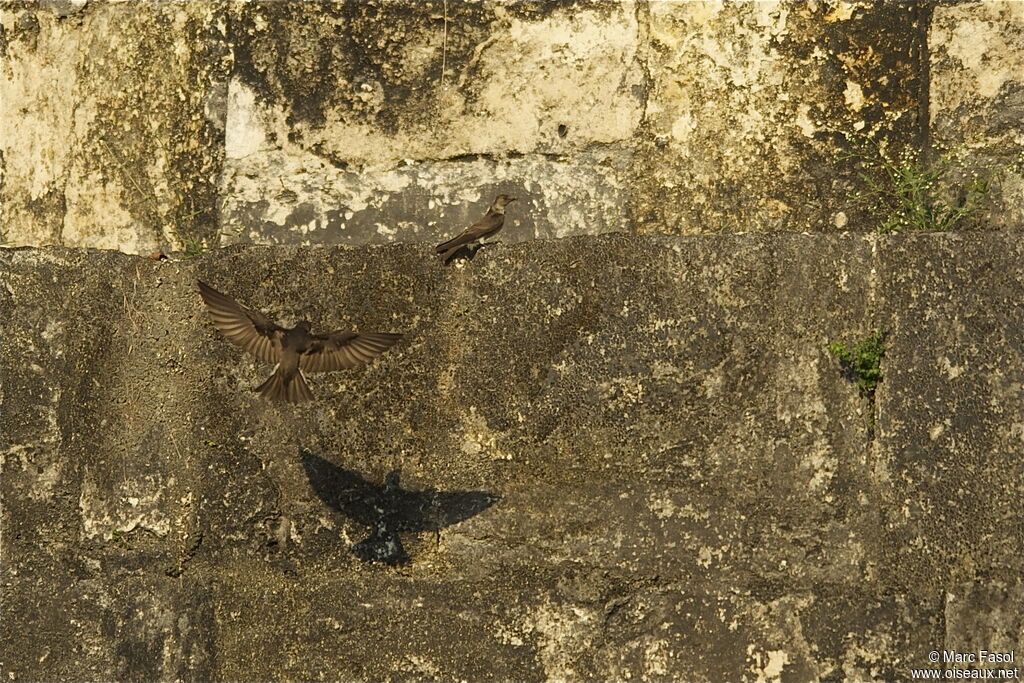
<point>294,350</point>
<point>482,229</point>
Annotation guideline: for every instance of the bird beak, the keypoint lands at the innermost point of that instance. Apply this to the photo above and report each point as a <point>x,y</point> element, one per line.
<point>512,199</point>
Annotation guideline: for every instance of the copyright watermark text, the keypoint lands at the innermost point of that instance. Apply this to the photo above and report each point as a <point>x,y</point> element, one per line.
<point>978,665</point>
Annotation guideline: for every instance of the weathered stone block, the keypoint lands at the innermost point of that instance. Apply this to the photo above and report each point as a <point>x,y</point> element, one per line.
<point>750,102</point>
<point>950,409</point>
<point>688,486</point>
<point>363,122</point>
<point>976,52</point>
<point>111,123</point>
<point>378,121</point>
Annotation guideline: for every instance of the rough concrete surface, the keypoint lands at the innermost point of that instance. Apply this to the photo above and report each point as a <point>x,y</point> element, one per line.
<point>686,486</point>
<point>141,126</point>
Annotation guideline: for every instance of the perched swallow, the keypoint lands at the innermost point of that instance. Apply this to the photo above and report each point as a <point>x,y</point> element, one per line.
<point>389,509</point>
<point>483,228</point>
<point>293,350</point>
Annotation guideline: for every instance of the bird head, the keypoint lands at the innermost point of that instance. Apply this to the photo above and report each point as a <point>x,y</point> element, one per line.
<point>303,325</point>
<point>501,201</point>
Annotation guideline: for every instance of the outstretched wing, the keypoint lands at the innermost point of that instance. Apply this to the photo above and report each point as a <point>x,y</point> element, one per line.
<point>341,350</point>
<point>253,331</point>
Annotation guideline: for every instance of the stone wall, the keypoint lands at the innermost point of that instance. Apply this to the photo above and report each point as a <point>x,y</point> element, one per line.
<point>610,457</point>
<point>684,484</point>
<point>176,125</point>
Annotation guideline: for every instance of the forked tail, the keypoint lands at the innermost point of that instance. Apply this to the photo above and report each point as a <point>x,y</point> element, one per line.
<point>284,386</point>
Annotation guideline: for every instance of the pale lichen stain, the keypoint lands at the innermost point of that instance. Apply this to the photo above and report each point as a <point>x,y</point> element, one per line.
<point>662,506</point>
<point>563,630</point>
<point>853,95</point>
<point>767,665</point>
<point>101,518</point>
<point>982,48</point>
<point>478,437</point>
<point>842,11</point>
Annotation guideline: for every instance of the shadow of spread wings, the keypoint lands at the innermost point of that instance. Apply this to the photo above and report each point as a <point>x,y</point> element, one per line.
<point>345,350</point>
<point>395,508</point>
<point>253,331</point>
<point>452,507</point>
<point>343,490</point>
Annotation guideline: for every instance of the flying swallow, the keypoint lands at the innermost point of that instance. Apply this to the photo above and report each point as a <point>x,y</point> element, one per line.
<point>388,509</point>
<point>483,228</point>
<point>295,349</point>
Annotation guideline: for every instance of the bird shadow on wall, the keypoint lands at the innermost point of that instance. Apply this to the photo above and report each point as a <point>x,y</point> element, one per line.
<point>388,509</point>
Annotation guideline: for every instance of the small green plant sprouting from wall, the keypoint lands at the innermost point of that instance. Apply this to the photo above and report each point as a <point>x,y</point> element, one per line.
<point>192,247</point>
<point>120,538</point>
<point>905,193</point>
<point>863,362</point>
